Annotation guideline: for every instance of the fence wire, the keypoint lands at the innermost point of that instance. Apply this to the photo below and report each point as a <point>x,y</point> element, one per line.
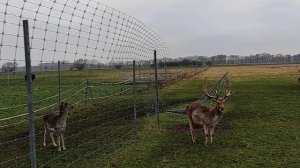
<point>218,87</point>
<point>96,45</point>
<point>69,30</point>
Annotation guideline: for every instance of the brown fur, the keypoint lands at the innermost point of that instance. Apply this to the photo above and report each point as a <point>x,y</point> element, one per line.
<point>199,114</point>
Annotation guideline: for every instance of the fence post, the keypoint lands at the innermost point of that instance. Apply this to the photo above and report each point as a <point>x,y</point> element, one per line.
<point>29,95</point>
<point>90,90</point>
<point>139,70</point>
<point>156,88</point>
<point>59,86</point>
<point>85,97</point>
<point>8,78</point>
<point>165,68</point>
<point>134,98</point>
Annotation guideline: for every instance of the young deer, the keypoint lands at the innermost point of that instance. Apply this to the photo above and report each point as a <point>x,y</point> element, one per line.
<point>56,123</point>
<point>199,114</point>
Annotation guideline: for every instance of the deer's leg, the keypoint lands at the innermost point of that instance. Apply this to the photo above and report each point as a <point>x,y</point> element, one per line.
<point>211,132</point>
<point>58,140</point>
<point>192,131</point>
<point>206,131</point>
<point>45,135</point>
<point>52,138</point>
<point>62,140</point>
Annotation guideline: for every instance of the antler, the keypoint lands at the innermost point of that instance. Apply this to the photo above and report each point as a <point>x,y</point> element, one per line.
<point>207,94</point>
<point>228,93</point>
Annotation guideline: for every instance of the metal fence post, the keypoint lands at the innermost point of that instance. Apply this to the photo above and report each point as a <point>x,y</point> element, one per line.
<point>59,86</point>
<point>165,69</point>
<point>139,70</point>
<point>134,98</point>
<point>29,94</point>
<point>8,78</point>
<point>90,90</point>
<point>156,88</point>
<point>86,94</point>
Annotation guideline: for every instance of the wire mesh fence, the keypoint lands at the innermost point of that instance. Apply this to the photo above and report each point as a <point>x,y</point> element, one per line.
<point>218,87</point>
<point>95,45</point>
<point>82,52</point>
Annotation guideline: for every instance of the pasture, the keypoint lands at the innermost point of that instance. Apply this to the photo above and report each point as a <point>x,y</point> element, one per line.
<point>260,127</point>
<point>102,118</point>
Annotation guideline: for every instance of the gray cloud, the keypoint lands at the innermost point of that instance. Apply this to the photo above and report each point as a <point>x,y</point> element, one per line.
<point>209,27</point>
<point>67,30</point>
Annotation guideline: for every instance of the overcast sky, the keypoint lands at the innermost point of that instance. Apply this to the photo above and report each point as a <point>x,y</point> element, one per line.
<point>210,27</point>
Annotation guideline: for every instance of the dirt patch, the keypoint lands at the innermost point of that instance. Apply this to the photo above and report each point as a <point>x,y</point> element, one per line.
<point>175,76</point>
<point>252,72</point>
<point>183,128</point>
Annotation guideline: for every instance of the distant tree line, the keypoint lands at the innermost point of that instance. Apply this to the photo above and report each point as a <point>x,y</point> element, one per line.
<point>263,58</point>
<point>196,61</point>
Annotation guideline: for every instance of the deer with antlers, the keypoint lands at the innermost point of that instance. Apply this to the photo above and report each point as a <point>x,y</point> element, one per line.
<point>199,114</point>
<point>56,123</point>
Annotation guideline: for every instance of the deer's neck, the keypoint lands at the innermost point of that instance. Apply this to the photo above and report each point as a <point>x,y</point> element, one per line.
<point>63,116</point>
<point>215,112</point>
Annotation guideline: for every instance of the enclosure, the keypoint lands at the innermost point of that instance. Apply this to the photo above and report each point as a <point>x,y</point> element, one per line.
<point>128,102</point>
<point>96,58</point>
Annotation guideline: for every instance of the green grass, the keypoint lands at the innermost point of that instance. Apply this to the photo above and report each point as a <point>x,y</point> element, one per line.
<point>13,93</point>
<point>260,127</point>
<point>262,130</point>
<point>93,133</point>
<point>46,85</point>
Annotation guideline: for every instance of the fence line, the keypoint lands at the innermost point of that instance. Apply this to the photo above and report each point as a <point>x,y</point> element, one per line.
<point>101,97</point>
<point>221,85</point>
<point>103,40</point>
<point>47,98</point>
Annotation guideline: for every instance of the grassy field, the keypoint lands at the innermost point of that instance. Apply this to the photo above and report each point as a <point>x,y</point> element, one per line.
<point>94,131</point>
<point>88,126</point>
<point>45,86</point>
<point>260,127</point>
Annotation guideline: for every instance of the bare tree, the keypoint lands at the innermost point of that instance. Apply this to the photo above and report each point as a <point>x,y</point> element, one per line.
<point>9,67</point>
<point>80,64</point>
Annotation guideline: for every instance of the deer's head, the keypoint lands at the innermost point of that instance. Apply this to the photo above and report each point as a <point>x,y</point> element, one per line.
<point>220,100</point>
<point>64,107</point>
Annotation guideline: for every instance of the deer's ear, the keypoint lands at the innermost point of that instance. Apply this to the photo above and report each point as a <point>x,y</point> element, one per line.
<point>214,99</point>
<point>227,98</point>
<point>209,98</point>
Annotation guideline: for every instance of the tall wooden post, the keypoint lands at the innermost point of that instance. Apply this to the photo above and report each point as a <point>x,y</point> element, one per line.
<point>134,98</point>
<point>29,95</point>
<point>156,89</point>
<point>59,86</point>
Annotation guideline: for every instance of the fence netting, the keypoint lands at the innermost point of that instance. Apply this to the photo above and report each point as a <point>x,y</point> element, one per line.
<point>95,45</point>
